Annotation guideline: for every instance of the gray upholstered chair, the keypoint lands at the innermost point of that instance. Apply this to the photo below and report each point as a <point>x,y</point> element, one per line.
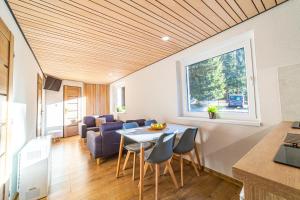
<point>150,121</point>
<point>132,147</point>
<point>184,146</point>
<point>161,153</point>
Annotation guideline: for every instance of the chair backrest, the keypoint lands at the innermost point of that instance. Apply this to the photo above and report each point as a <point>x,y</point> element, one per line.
<point>163,149</point>
<point>150,121</point>
<point>187,141</point>
<point>141,122</point>
<point>130,125</point>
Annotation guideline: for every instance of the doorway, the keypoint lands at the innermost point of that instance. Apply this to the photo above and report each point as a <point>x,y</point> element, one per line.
<point>72,102</point>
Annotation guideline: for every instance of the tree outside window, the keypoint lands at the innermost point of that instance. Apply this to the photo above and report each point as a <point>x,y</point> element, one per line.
<point>221,81</point>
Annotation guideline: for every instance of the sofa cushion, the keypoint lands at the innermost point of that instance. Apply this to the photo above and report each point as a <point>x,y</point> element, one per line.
<point>109,118</point>
<point>96,129</point>
<point>100,121</point>
<point>111,126</point>
<point>141,122</point>
<point>89,121</point>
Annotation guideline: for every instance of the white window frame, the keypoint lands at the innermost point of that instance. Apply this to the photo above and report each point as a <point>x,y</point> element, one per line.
<point>245,41</point>
<point>115,96</point>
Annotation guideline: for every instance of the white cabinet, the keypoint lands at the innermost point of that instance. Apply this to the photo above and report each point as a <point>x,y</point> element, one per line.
<point>35,169</point>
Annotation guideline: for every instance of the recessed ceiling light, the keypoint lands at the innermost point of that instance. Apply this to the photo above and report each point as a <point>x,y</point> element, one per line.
<point>165,38</point>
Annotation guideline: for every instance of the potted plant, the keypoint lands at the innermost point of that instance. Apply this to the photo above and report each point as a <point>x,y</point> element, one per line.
<point>212,111</point>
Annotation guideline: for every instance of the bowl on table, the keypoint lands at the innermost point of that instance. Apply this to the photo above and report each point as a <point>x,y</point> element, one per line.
<point>158,126</point>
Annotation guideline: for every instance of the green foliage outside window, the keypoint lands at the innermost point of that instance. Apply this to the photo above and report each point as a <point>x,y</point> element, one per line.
<point>212,109</point>
<point>215,78</point>
<point>120,109</point>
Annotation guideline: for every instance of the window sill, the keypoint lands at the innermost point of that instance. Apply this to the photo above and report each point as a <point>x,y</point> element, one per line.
<point>223,121</point>
<point>121,112</point>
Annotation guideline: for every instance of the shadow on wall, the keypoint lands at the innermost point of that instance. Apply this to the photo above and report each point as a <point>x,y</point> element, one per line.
<point>223,159</point>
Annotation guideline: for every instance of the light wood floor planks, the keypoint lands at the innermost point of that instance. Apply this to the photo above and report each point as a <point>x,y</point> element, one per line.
<point>76,176</point>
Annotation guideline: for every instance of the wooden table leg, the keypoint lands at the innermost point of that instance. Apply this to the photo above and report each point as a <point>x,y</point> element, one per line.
<point>141,188</point>
<point>157,174</point>
<point>198,157</point>
<point>120,155</point>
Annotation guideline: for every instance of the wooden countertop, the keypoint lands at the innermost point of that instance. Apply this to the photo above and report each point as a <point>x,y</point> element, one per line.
<point>257,165</point>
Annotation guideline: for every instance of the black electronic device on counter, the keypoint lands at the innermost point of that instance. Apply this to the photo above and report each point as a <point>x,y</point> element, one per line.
<point>289,151</point>
<point>296,125</point>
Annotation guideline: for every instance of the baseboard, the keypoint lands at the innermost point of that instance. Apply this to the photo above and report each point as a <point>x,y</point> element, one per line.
<point>223,176</point>
<point>218,174</point>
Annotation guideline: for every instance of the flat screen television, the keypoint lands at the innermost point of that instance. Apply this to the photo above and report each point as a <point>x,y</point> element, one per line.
<point>52,83</point>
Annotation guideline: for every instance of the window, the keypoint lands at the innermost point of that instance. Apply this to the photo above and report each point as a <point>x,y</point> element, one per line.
<point>120,101</point>
<point>223,77</point>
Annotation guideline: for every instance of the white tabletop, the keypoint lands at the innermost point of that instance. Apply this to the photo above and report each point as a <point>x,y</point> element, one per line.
<point>143,134</point>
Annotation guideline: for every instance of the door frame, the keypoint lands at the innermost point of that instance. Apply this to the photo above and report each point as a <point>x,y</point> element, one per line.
<point>79,109</point>
<point>39,77</point>
<point>4,187</point>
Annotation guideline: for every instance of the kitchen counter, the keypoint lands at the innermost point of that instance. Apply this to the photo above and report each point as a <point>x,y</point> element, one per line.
<point>263,178</point>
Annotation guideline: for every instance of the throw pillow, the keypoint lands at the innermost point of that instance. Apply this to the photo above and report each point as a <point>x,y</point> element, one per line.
<point>100,121</point>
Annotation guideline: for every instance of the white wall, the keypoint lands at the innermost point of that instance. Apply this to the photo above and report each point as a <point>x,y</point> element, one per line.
<point>289,86</point>
<point>24,97</point>
<point>152,91</point>
<point>54,107</point>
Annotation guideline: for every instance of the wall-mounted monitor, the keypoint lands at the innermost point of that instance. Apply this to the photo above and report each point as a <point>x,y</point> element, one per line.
<point>52,83</point>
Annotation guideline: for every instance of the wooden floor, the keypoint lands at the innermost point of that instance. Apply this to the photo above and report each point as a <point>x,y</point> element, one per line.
<point>76,176</point>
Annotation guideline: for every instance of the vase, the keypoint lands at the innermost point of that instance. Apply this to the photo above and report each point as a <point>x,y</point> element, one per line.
<point>212,115</point>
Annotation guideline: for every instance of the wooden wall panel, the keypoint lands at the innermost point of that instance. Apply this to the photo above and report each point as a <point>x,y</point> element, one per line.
<point>97,99</point>
<point>90,98</point>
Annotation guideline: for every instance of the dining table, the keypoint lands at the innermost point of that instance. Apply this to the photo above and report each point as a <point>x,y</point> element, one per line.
<point>146,134</point>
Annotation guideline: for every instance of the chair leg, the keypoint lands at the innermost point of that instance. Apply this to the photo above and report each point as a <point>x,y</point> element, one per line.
<point>198,157</point>
<point>145,171</point>
<point>134,161</point>
<point>166,168</point>
<point>157,173</point>
<point>151,168</point>
<point>181,169</point>
<point>146,168</point>
<point>193,163</point>
<point>126,160</point>
<point>170,169</point>
<point>98,161</point>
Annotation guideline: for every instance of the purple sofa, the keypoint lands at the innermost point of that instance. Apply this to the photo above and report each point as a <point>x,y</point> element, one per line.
<point>106,143</point>
<point>89,124</point>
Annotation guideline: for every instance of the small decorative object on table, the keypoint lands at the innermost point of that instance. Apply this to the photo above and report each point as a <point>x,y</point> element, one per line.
<point>158,126</point>
<point>212,111</point>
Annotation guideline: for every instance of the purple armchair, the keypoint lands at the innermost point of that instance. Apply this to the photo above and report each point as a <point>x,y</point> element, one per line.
<point>106,143</point>
<point>88,124</point>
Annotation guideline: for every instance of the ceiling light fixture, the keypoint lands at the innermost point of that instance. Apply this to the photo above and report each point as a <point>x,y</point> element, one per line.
<point>165,38</point>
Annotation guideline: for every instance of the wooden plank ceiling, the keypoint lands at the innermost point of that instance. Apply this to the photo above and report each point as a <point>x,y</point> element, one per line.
<point>100,41</point>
